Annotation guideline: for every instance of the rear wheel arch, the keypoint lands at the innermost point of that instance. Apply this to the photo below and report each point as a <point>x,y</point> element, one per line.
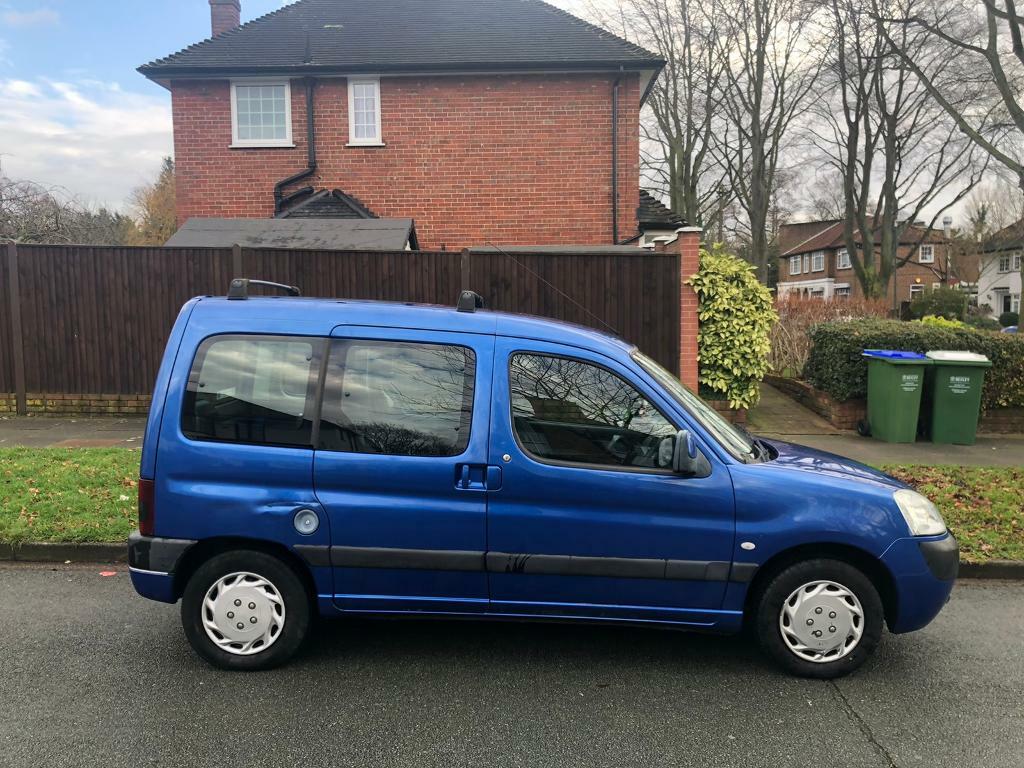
<point>205,549</point>
<point>860,559</point>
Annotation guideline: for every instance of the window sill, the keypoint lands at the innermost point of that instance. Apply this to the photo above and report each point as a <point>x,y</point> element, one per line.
<point>358,144</point>
<point>288,145</point>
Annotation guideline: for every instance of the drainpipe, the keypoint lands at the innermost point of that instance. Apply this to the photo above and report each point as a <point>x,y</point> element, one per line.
<point>311,166</point>
<point>615,159</point>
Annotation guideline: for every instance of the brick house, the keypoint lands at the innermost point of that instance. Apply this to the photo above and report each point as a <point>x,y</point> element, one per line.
<point>813,263</point>
<point>505,121</point>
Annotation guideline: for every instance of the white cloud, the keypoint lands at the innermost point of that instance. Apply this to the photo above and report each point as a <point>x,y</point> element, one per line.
<point>92,138</point>
<point>37,18</point>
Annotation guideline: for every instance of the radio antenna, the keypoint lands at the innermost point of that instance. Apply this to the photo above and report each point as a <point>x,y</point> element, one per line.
<point>552,286</point>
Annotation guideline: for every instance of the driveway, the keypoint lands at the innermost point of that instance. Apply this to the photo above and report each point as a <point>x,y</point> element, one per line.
<point>91,675</point>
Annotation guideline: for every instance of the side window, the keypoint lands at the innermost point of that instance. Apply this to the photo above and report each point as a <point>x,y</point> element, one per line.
<point>252,389</point>
<point>570,411</point>
<point>397,398</point>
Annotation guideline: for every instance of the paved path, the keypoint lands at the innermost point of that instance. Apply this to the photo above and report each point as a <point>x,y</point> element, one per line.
<point>92,675</point>
<point>98,431</point>
<point>782,417</point>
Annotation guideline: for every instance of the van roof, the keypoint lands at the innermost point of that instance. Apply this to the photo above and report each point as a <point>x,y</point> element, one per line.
<point>237,316</point>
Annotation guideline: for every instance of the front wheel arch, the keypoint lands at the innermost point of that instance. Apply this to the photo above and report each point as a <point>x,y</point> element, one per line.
<point>863,561</point>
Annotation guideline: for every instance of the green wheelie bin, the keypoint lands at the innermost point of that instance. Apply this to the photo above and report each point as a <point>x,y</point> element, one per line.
<point>895,383</point>
<point>953,396</point>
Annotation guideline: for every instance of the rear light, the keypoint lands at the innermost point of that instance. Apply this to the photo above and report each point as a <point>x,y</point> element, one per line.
<point>147,511</point>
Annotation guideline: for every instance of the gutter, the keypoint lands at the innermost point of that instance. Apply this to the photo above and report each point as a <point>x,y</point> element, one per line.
<point>311,164</point>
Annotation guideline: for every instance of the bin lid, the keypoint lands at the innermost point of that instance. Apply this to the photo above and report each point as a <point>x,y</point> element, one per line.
<point>956,356</point>
<point>896,356</point>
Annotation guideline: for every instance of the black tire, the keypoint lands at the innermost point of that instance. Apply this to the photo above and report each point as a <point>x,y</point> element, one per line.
<point>863,428</point>
<point>285,580</point>
<point>769,607</point>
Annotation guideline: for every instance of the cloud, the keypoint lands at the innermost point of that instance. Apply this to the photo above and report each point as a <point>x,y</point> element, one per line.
<point>93,138</point>
<point>37,18</point>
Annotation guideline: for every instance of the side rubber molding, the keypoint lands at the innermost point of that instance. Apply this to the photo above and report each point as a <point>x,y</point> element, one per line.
<point>505,562</point>
<point>942,556</point>
<point>154,554</point>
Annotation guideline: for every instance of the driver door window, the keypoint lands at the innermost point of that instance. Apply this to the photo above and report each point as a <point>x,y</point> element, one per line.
<point>568,411</point>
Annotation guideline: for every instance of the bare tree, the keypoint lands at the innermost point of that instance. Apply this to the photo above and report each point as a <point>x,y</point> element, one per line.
<point>677,127</point>
<point>32,213</point>
<point>770,68</point>
<point>894,149</point>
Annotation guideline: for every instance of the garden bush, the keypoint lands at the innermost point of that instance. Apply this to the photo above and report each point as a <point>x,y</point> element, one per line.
<point>836,366</point>
<point>949,303</point>
<point>983,323</point>
<point>936,321</point>
<point>1009,318</point>
<point>736,315</point>
<point>789,337</point>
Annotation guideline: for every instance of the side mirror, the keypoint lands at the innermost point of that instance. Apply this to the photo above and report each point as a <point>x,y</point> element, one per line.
<point>686,459</point>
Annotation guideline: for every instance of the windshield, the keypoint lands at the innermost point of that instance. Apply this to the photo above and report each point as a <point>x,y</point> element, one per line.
<point>737,443</point>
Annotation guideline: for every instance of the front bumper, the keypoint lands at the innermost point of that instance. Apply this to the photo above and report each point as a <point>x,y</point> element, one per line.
<point>924,571</point>
<point>152,561</point>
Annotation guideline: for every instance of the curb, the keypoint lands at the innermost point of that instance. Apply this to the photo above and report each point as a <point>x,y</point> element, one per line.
<point>60,552</point>
<point>46,552</point>
<point>995,569</point>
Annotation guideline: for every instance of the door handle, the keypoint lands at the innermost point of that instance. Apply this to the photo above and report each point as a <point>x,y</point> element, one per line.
<point>477,477</point>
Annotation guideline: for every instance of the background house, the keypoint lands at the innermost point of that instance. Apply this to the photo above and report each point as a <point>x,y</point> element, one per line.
<point>999,282</point>
<point>813,262</point>
<point>505,121</point>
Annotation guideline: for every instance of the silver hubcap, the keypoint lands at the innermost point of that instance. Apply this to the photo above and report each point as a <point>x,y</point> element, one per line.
<point>243,613</point>
<point>821,621</point>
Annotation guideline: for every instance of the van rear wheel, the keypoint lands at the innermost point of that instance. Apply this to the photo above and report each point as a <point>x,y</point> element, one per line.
<point>245,610</point>
<point>820,618</point>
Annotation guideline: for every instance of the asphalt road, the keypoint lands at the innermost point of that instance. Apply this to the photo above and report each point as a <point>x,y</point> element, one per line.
<point>92,675</point>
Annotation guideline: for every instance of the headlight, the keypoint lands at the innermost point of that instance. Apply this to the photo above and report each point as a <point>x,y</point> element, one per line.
<point>922,516</point>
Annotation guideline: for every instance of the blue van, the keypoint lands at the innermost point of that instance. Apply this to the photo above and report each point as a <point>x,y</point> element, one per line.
<point>359,458</point>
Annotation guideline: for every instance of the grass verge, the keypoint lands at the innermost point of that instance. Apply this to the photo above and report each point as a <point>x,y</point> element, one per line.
<point>89,494</point>
<point>983,506</point>
<point>67,494</point>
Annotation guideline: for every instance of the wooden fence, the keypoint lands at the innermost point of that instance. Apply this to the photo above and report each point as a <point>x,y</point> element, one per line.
<point>83,328</point>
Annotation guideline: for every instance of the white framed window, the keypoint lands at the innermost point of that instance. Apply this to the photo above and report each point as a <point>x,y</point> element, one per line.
<point>364,112</point>
<point>794,265</point>
<point>926,254</point>
<point>818,261</point>
<point>843,259</point>
<point>936,286</point>
<point>261,113</point>
<point>842,292</point>
<point>1004,263</point>
<point>1015,303</point>
<point>1016,262</point>
<point>915,291</point>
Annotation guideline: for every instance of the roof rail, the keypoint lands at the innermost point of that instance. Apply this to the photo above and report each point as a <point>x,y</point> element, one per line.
<point>469,301</point>
<point>239,288</point>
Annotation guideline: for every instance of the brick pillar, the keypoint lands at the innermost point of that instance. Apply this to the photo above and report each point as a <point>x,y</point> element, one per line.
<point>687,245</point>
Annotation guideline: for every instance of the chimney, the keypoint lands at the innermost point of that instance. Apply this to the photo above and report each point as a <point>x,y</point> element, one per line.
<point>225,15</point>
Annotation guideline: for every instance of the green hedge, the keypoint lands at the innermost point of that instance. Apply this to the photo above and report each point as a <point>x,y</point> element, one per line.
<point>835,364</point>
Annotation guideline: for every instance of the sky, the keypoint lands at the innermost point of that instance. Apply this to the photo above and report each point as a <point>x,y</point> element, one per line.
<point>74,113</point>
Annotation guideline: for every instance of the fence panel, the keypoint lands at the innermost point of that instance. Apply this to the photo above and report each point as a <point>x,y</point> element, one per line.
<point>634,296</point>
<point>6,353</point>
<point>95,318</point>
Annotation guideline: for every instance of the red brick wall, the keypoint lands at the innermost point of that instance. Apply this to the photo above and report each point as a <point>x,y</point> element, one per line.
<point>517,159</point>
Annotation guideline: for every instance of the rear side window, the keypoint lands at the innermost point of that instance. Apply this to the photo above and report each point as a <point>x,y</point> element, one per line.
<point>397,398</point>
<point>252,389</point>
<point>570,411</point>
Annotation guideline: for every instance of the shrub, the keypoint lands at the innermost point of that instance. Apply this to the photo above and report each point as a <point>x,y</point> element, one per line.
<point>941,302</point>
<point>836,366</point>
<point>983,323</point>
<point>940,322</point>
<point>790,342</point>
<point>736,315</point>
<point>1009,318</point>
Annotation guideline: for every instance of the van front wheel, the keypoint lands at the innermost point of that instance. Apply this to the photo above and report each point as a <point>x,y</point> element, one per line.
<point>820,618</point>
<point>245,610</point>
